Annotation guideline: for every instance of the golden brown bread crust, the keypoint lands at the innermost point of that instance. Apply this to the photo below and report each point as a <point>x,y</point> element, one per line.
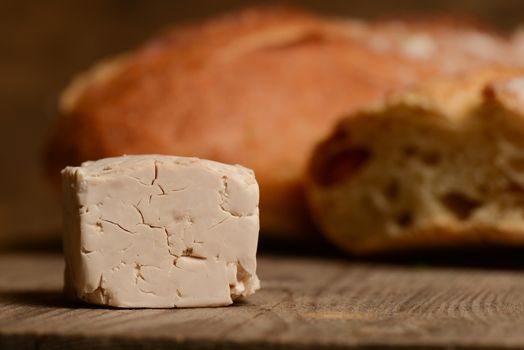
<point>258,87</point>
<point>477,123</point>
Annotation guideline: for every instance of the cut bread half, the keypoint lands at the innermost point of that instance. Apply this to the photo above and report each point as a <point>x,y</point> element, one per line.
<point>441,164</point>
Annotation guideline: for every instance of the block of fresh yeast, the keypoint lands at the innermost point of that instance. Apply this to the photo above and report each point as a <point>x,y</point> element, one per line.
<point>159,232</point>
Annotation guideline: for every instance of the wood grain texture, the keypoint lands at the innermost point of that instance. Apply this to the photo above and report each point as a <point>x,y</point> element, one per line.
<point>304,304</point>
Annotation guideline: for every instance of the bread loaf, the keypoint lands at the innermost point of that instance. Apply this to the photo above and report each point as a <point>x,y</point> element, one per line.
<point>436,165</point>
<point>257,87</point>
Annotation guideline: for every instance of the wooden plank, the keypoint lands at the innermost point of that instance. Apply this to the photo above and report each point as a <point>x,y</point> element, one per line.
<point>304,303</point>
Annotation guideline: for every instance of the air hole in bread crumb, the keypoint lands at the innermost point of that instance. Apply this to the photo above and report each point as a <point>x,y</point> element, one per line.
<point>392,190</point>
<point>459,204</point>
<point>517,164</point>
<point>342,165</point>
<point>514,188</point>
<point>404,219</point>
<point>410,150</point>
<point>431,158</point>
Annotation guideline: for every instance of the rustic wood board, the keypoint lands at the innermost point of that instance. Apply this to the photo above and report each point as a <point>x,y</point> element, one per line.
<point>305,303</point>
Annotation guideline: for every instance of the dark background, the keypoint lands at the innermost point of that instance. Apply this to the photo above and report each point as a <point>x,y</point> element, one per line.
<point>44,43</point>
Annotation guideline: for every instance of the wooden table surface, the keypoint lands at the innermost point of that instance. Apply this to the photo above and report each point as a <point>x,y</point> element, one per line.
<point>304,303</point>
